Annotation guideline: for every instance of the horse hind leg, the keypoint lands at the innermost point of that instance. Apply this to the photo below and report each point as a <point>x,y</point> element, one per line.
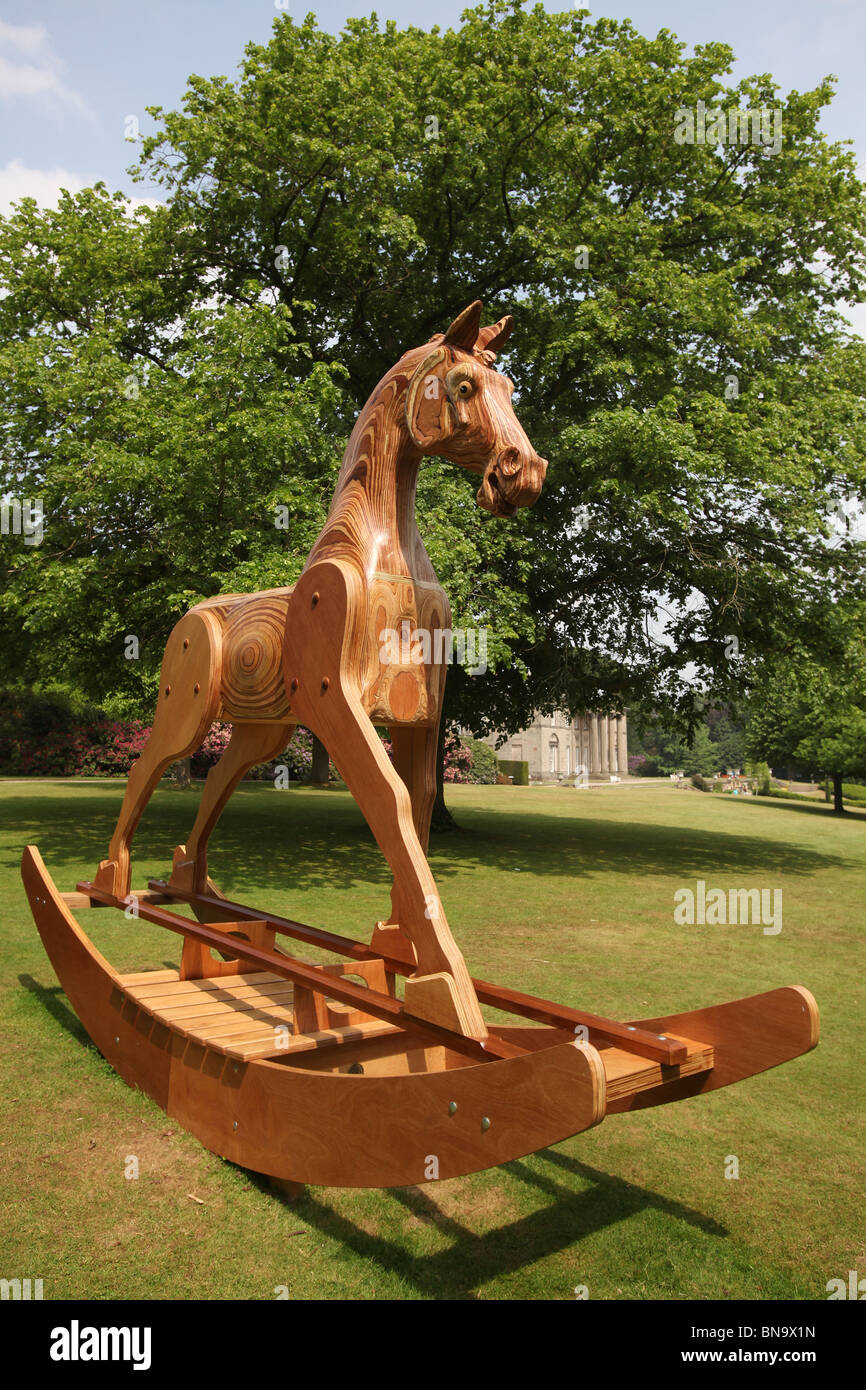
<point>188,704</point>
<point>249,744</point>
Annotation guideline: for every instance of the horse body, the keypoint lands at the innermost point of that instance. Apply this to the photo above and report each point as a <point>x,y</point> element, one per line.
<point>313,653</point>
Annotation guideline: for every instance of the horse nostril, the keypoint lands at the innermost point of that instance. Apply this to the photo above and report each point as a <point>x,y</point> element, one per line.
<point>509,462</point>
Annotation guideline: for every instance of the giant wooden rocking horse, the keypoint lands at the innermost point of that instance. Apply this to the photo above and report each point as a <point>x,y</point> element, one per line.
<point>322,1073</point>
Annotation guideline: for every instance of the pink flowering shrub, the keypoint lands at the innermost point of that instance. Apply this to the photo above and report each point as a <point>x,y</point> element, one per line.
<point>458,760</point>
<point>45,736</point>
<point>42,736</point>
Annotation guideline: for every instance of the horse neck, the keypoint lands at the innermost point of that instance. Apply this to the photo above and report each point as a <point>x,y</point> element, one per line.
<point>371,521</point>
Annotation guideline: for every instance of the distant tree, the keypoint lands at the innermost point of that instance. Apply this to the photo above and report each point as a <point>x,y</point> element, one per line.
<point>729,738</point>
<point>813,716</point>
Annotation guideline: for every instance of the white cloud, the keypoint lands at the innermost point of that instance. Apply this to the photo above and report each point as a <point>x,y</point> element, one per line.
<point>45,185</point>
<point>40,72</point>
<point>17,181</point>
<point>29,38</point>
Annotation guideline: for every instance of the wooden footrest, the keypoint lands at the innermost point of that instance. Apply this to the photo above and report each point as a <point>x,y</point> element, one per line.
<point>626,1073</point>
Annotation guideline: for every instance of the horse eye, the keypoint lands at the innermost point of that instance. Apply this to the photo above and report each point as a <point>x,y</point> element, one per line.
<point>465,388</point>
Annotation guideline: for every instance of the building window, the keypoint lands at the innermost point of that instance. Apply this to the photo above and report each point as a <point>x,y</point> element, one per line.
<point>554,755</point>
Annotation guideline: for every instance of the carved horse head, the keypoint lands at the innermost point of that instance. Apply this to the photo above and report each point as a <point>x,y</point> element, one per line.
<point>458,407</point>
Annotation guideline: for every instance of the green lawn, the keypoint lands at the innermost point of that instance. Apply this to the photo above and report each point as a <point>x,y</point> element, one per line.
<point>563,893</point>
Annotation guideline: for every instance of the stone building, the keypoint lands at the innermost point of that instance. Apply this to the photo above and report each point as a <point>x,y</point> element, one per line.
<point>559,748</point>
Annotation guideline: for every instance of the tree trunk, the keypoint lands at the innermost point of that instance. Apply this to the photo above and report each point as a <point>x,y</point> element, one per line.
<point>837,794</point>
<point>442,817</point>
<point>182,773</point>
<point>320,766</point>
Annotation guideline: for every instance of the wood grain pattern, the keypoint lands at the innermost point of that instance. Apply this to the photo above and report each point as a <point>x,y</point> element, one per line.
<point>640,1041</point>
<point>304,1124</point>
<point>747,1036</point>
<point>294,1069</point>
<point>378,1005</point>
<point>268,658</point>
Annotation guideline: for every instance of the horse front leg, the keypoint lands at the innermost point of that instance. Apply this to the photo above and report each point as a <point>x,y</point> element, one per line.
<point>413,750</point>
<point>324,688</point>
<point>441,989</point>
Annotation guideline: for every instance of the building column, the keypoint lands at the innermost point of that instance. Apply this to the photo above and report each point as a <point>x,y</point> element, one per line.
<point>611,735</point>
<point>604,735</point>
<point>622,745</point>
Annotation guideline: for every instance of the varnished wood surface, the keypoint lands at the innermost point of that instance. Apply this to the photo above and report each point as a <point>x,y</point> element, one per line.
<point>640,1041</point>
<point>316,651</point>
<point>308,1125</point>
<point>326,621</point>
<point>748,1036</point>
<point>378,1005</point>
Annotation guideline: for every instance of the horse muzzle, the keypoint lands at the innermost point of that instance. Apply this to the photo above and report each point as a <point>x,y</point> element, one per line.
<point>511,481</point>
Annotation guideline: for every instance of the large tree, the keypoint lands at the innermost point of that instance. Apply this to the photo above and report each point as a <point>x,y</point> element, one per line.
<point>171,458</point>
<point>679,353</point>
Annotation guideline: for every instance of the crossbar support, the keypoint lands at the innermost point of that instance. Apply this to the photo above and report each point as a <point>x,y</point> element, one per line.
<point>668,1051</point>
<point>383,1006</point>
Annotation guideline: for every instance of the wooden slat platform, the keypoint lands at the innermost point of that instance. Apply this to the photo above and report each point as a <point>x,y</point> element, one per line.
<point>237,1015</point>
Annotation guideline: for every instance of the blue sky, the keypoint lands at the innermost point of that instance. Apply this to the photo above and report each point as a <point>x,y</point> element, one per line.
<point>72,70</point>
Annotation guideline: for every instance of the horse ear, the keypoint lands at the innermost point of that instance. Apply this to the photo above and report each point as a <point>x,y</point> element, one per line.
<point>464,330</point>
<point>495,335</point>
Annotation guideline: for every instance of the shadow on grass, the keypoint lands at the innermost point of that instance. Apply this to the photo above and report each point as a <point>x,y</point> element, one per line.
<point>817,808</point>
<point>54,1001</point>
<point>284,841</point>
<point>472,1260</point>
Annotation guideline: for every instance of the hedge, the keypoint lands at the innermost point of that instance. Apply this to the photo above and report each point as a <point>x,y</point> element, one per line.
<point>517,769</point>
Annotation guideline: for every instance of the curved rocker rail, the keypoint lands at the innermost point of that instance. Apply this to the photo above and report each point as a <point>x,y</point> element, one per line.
<point>315,1127</point>
<point>456,1106</point>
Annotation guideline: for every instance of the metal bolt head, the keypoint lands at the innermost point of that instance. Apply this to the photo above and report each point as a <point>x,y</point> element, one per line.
<point>485,1123</point>
<point>325,682</point>
<point>452,1107</point>
<point>315,598</point>
<point>234,1124</point>
<point>117,1040</point>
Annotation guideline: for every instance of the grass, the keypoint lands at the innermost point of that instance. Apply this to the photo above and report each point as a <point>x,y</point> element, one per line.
<point>564,893</point>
